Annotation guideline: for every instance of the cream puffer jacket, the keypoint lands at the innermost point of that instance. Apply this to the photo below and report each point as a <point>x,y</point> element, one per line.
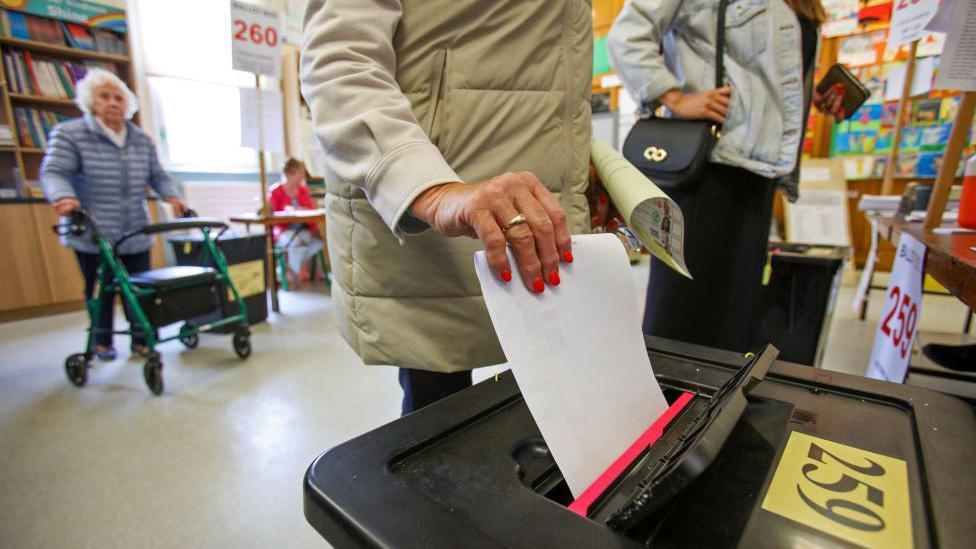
<point>409,94</point>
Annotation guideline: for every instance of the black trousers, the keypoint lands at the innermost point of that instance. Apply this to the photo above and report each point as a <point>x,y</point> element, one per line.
<point>421,387</point>
<point>727,219</point>
<point>133,263</point>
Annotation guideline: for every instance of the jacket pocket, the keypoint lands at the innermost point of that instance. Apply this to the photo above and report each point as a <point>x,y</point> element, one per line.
<point>746,23</point>
<point>440,82</point>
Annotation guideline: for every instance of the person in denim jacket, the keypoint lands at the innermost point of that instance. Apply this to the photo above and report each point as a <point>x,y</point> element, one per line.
<point>664,52</point>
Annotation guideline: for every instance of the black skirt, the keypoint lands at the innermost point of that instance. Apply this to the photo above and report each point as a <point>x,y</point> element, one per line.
<point>727,219</point>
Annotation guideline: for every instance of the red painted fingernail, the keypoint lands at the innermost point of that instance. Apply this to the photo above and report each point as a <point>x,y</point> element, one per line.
<point>568,256</point>
<point>507,276</point>
<point>554,278</point>
<point>538,285</point>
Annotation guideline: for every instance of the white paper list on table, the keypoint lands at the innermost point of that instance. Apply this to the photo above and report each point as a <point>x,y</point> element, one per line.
<point>578,355</point>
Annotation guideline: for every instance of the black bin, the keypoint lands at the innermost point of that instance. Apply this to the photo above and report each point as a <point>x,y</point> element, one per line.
<point>799,299</point>
<point>245,265</point>
<point>472,470</point>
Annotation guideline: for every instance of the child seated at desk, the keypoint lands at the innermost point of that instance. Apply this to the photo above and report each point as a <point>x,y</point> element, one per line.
<point>300,241</point>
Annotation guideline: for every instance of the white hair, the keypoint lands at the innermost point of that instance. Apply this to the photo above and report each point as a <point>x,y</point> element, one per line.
<point>94,78</point>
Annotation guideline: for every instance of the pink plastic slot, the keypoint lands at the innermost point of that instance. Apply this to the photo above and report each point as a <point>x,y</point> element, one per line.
<point>582,504</point>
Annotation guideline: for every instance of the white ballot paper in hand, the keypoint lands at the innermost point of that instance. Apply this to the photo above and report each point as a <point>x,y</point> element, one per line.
<point>578,356</point>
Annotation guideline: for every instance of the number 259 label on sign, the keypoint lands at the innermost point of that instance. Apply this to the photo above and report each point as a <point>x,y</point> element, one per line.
<point>896,332</point>
<point>858,496</point>
<point>900,329</point>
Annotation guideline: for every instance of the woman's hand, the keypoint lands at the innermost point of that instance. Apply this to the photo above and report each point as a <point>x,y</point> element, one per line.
<point>483,210</point>
<point>66,205</point>
<point>179,207</point>
<point>711,105</point>
<point>831,101</point>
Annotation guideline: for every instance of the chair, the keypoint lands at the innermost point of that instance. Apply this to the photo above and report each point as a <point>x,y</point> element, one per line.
<point>319,259</point>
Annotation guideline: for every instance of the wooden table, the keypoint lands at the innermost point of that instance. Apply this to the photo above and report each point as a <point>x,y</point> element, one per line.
<point>950,260</point>
<point>277,218</point>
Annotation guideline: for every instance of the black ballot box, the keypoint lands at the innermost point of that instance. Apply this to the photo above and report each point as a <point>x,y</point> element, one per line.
<point>244,255</point>
<point>799,297</point>
<point>810,458</point>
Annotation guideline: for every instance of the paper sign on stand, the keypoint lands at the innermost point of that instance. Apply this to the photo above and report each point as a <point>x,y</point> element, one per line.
<point>921,80</point>
<point>256,39</point>
<point>262,120</point>
<point>957,70</point>
<point>909,19</point>
<point>578,356</point>
<point>820,215</point>
<point>896,333</point>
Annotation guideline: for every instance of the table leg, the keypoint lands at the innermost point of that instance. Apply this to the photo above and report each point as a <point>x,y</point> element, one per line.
<point>270,266</point>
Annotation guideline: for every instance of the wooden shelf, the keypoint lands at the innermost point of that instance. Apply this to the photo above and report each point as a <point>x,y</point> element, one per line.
<point>29,150</point>
<point>40,100</point>
<point>63,50</point>
<point>7,149</point>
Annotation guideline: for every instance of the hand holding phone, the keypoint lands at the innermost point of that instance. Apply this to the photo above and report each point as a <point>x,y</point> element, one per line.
<point>840,93</point>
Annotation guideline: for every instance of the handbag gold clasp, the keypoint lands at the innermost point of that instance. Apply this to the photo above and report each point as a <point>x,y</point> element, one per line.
<point>655,154</point>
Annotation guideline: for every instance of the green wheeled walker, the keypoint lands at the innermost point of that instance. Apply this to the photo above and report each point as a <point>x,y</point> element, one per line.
<point>160,297</point>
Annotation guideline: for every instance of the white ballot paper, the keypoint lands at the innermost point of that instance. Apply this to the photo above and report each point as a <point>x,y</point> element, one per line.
<point>578,356</point>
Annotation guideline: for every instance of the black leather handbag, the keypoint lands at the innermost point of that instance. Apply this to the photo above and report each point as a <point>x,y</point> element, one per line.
<point>673,153</point>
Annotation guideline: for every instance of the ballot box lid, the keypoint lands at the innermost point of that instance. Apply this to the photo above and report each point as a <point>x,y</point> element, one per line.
<point>473,470</point>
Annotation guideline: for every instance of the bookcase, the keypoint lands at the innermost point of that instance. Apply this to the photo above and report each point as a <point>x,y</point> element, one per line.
<point>42,60</point>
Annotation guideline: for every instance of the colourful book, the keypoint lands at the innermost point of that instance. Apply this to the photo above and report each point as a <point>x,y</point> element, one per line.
<point>56,85</point>
<point>23,129</point>
<point>43,78</point>
<point>8,67</point>
<point>78,36</point>
<point>18,86</point>
<point>52,30</point>
<point>66,84</point>
<point>22,74</point>
<point>38,129</point>
<point>32,74</point>
<point>18,25</point>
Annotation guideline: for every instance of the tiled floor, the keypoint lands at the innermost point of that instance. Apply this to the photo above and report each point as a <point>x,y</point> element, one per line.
<point>218,461</point>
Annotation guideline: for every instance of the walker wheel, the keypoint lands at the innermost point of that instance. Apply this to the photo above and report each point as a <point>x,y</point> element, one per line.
<point>76,367</point>
<point>189,340</point>
<point>242,344</point>
<point>152,371</point>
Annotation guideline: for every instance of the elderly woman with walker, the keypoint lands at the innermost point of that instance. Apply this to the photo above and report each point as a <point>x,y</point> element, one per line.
<point>104,163</point>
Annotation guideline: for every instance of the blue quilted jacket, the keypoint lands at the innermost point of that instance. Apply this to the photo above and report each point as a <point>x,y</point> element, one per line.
<point>82,162</point>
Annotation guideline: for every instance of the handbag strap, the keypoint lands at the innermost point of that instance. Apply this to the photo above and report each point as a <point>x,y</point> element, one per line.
<point>720,43</point>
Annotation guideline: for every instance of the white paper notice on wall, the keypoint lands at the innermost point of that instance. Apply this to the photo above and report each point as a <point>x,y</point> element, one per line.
<point>896,333</point>
<point>921,81</point>
<point>262,120</point>
<point>578,356</point>
<point>819,216</point>
<point>908,20</point>
<point>957,68</point>
<point>255,39</point>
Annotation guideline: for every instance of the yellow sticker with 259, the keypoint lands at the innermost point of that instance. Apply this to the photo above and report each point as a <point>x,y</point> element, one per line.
<point>858,496</point>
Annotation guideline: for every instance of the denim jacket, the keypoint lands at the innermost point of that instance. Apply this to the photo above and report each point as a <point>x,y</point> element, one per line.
<point>763,65</point>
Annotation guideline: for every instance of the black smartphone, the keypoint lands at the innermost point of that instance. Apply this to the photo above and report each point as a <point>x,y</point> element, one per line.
<point>855,93</point>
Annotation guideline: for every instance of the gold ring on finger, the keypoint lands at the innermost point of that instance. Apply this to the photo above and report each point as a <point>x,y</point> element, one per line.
<point>515,222</point>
